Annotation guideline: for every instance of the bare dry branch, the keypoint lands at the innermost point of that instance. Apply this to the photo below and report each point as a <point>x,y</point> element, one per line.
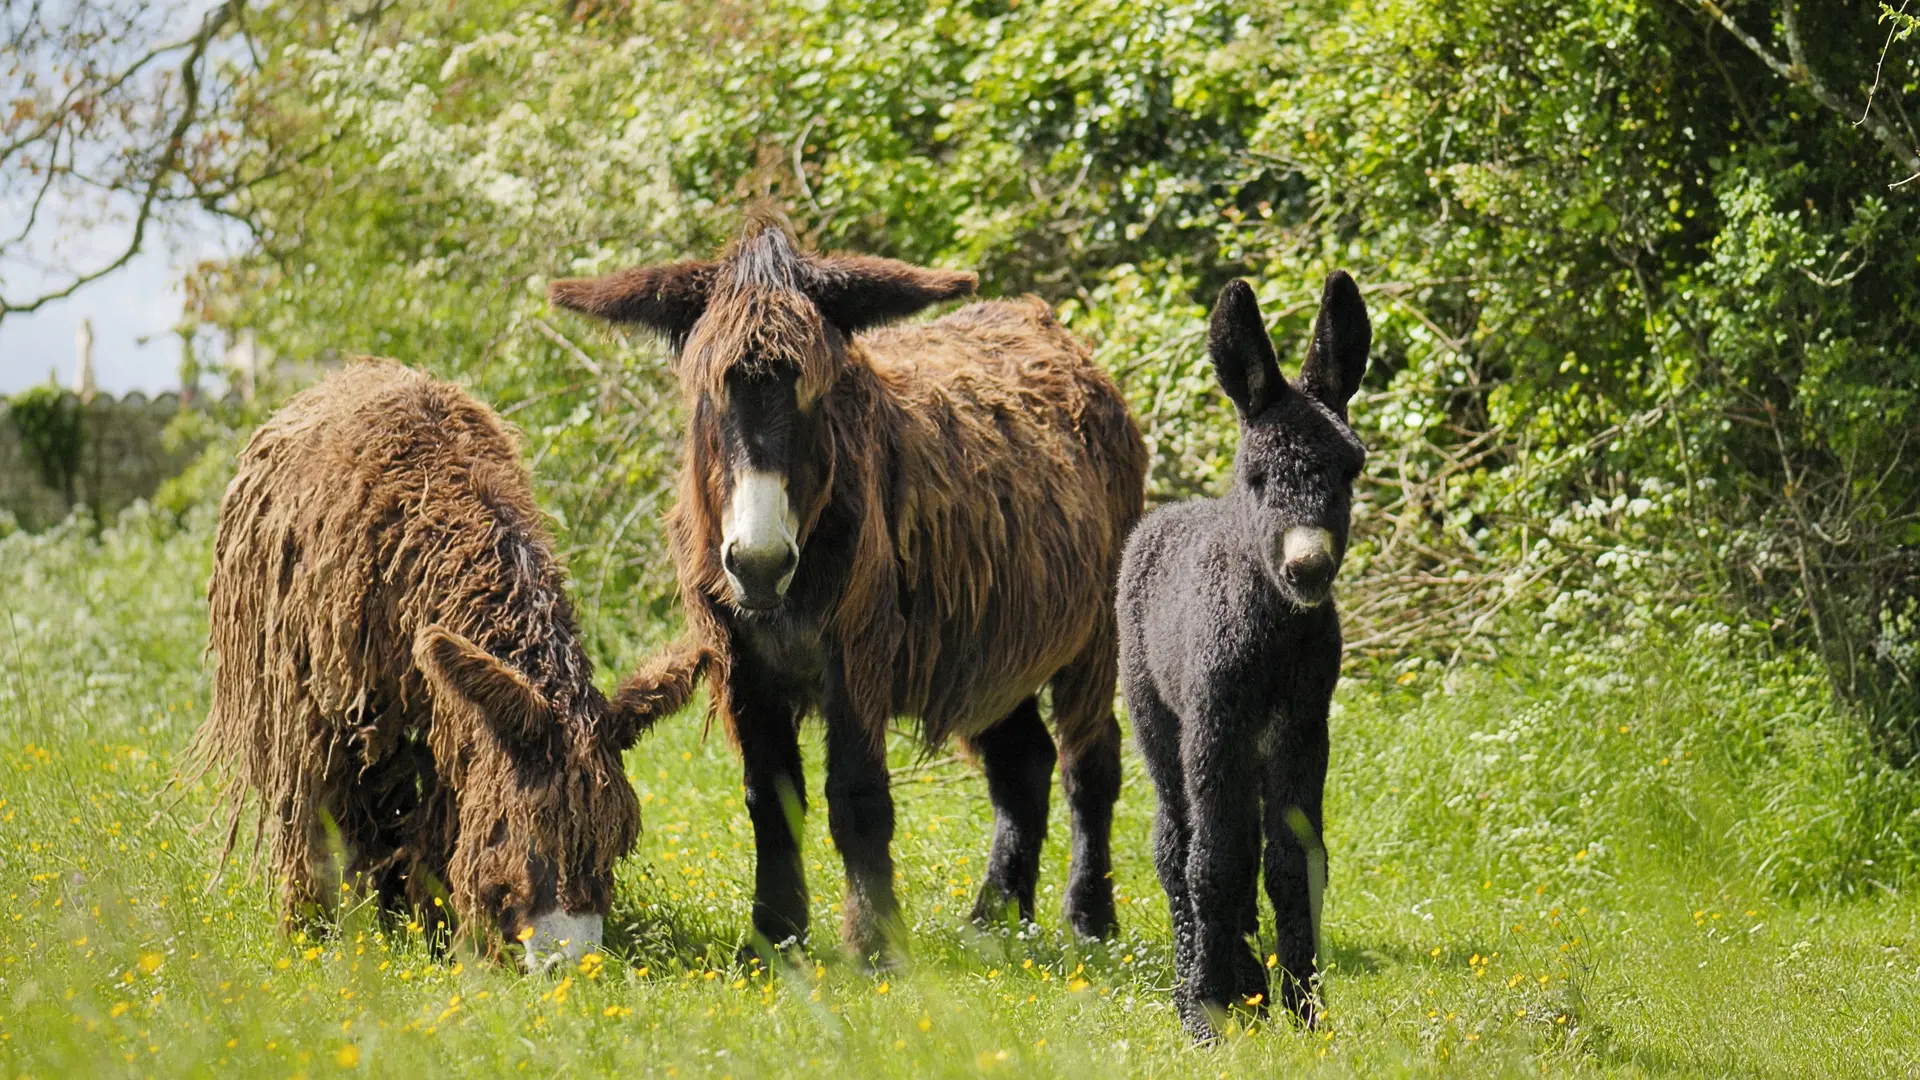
<point>165,166</point>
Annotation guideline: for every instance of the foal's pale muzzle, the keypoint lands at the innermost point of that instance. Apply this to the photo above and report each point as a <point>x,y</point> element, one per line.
<point>1307,564</point>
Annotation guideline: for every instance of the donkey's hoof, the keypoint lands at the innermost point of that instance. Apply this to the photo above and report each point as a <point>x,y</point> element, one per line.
<point>758,950</point>
<point>878,958</point>
<point>998,907</point>
<point>879,944</point>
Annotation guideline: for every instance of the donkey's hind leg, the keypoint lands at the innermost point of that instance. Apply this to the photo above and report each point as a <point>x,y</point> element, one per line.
<point>1017,755</point>
<point>1090,773</point>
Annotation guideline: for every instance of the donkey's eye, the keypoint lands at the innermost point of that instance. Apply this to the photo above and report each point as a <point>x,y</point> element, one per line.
<point>1256,480</point>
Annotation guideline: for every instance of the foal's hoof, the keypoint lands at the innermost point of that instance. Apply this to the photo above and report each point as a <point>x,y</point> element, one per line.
<point>1094,922</point>
<point>1207,1021</point>
<point>1304,1006</point>
<point>1195,1020</point>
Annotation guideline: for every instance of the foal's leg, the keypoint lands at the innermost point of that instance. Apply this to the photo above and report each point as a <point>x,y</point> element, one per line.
<point>1296,861</point>
<point>1018,755</point>
<point>1090,774</point>
<point>776,804</point>
<point>1250,916</point>
<point>1157,731</point>
<point>1223,798</point>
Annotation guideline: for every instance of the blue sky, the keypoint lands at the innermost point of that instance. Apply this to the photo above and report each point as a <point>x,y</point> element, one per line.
<point>141,301</point>
<point>133,310</point>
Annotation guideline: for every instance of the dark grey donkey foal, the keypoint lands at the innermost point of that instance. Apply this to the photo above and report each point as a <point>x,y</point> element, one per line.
<point>1229,651</point>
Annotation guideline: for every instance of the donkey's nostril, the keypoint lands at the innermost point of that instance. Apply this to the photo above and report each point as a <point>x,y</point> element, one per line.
<point>1307,563</point>
<point>760,572</point>
<point>1310,572</point>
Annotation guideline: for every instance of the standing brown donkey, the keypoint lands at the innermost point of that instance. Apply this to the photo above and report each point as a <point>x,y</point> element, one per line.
<point>921,521</point>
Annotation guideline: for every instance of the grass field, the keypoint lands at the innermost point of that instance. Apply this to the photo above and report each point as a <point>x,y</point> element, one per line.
<point>1666,857</point>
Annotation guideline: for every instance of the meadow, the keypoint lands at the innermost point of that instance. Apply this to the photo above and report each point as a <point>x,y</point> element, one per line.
<point>1667,859</point>
<point>1626,762</point>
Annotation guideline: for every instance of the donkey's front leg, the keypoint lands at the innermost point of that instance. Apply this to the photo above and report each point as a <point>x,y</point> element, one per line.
<point>1296,857</point>
<point>776,803</point>
<point>860,817</point>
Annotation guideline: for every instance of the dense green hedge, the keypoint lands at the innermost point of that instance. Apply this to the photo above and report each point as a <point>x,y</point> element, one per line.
<point>1645,307</point>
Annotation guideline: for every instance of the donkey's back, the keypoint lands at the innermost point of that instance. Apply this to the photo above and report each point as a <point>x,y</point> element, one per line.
<point>1018,475</point>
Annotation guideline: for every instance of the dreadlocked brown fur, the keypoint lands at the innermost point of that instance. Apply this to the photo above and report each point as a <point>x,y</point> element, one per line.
<point>398,660</point>
<point>960,493</point>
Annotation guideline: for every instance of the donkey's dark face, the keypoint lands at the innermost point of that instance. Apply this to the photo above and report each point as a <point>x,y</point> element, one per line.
<point>1293,475</point>
<point>763,335</point>
<point>545,807</point>
<point>769,443</point>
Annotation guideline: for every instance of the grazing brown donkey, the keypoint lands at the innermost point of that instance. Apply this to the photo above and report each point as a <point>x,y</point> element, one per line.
<point>923,521</point>
<point>400,681</point>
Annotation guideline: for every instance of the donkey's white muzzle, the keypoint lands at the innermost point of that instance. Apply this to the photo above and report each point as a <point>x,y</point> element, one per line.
<point>1307,563</point>
<point>559,936</point>
<point>758,549</point>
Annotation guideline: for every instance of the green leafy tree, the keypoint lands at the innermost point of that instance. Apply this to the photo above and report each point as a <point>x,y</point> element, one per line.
<point>52,433</point>
<point>1641,274</point>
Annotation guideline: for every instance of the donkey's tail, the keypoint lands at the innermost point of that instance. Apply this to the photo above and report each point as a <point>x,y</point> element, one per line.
<point>660,686</point>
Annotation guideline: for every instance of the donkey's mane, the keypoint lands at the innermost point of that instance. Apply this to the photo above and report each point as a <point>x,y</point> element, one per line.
<point>764,255</point>
<point>758,319</point>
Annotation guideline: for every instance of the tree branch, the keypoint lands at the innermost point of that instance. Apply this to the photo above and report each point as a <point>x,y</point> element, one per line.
<point>1798,73</point>
<point>64,109</point>
<point>162,170</point>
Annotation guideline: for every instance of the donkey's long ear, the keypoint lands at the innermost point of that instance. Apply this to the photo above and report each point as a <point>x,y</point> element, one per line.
<point>660,687</point>
<point>855,292</point>
<point>667,299</point>
<point>1242,353</point>
<point>517,714</point>
<point>1342,334</point>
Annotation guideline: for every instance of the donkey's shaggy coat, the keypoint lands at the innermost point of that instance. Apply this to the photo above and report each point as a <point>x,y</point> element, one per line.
<point>1230,648</point>
<point>398,662</point>
<point>924,521</point>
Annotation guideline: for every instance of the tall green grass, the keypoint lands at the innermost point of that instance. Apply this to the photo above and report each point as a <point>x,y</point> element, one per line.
<point>1668,856</point>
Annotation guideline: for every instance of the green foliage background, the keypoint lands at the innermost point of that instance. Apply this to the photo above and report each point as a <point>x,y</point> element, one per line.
<point>1645,309</point>
<point>52,434</point>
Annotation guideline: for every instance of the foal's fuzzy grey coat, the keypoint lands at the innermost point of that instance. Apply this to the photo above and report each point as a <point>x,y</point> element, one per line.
<point>1229,650</point>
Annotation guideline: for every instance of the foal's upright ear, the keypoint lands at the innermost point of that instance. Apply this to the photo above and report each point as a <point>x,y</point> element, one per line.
<point>855,292</point>
<point>1242,353</point>
<point>1342,334</point>
<point>667,299</point>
